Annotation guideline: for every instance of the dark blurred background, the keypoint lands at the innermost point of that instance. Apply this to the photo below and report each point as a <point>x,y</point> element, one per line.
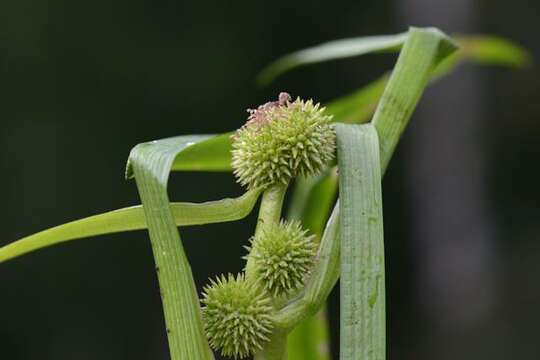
<point>81,82</point>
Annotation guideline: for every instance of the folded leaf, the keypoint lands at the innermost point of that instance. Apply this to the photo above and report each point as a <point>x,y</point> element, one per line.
<point>360,105</point>
<point>151,164</point>
<point>362,304</point>
<point>201,153</point>
<point>362,329</point>
<point>213,154</point>
<point>422,43</point>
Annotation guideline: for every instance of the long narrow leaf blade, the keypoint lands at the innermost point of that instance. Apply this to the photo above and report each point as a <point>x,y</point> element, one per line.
<point>362,274</point>
<point>337,49</point>
<point>423,50</point>
<point>484,50</point>
<point>151,164</point>
<point>477,48</point>
<point>129,219</point>
<point>345,110</point>
<point>362,308</point>
<point>494,50</point>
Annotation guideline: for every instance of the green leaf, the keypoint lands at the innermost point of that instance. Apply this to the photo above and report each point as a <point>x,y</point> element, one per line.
<point>423,50</point>
<point>201,153</point>
<point>412,68</point>
<point>132,218</point>
<point>492,50</point>
<point>213,154</point>
<point>357,108</point>
<point>337,49</point>
<point>354,108</point>
<point>359,158</point>
<point>362,330</point>
<point>151,164</point>
<point>476,48</point>
<point>485,50</point>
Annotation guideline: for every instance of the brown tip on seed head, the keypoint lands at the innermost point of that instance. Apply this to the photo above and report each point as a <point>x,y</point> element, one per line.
<point>284,98</point>
<point>257,117</point>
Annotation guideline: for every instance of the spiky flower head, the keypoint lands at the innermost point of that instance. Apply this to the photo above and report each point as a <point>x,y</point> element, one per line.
<point>280,140</point>
<point>284,255</point>
<point>237,316</point>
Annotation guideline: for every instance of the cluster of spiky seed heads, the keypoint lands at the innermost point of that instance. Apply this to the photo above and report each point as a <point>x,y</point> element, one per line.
<point>237,316</point>
<point>282,139</point>
<point>283,255</point>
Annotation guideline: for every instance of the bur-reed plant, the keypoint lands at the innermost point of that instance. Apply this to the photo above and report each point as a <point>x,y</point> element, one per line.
<point>274,309</point>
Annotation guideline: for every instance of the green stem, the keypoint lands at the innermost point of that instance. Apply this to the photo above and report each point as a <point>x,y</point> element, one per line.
<point>271,204</point>
<point>269,213</point>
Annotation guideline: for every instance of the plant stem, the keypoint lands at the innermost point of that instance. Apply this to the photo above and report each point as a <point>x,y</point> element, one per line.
<point>276,348</point>
<point>269,213</point>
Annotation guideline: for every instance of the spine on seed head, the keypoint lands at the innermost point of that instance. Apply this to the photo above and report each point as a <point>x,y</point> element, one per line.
<point>237,316</point>
<point>284,254</point>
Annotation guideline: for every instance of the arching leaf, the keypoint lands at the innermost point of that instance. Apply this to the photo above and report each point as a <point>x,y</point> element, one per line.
<point>129,219</point>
